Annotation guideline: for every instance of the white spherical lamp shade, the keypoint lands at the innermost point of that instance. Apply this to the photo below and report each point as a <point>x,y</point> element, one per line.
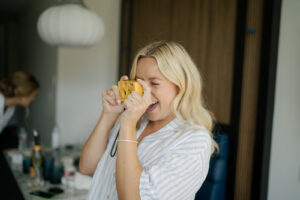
<point>70,25</point>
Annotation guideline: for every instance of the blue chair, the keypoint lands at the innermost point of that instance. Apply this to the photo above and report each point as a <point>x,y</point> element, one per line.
<point>214,186</point>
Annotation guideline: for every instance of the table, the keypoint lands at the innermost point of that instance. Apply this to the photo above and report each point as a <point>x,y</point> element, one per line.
<point>23,179</point>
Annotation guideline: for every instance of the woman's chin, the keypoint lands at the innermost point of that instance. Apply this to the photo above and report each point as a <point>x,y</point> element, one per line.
<point>152,116</point>
<point>159,116</point>
<point>155,117</point>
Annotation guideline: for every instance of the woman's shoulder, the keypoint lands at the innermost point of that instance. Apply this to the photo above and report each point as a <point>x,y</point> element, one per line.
<point>190,129</point>
<point>195,135</point>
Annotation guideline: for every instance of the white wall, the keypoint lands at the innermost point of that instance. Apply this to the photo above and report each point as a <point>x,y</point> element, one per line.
<point>83,74</point>
<point>284,174</point>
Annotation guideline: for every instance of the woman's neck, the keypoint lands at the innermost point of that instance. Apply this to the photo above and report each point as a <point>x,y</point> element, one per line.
<point>156,125</point>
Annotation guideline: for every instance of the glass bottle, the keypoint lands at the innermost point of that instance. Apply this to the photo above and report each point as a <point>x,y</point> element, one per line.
<point>55,137</point>
<point>57,170</point>
<point>37,160</point>
<point>22,140</point>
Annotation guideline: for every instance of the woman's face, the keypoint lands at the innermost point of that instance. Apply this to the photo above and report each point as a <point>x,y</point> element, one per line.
<point>25,101</point>
<point>163,91</point>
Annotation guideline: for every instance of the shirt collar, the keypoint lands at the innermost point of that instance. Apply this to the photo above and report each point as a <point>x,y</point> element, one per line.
<point>166,131</point>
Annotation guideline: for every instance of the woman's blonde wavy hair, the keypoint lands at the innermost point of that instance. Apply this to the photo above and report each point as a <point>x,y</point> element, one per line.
<point>177,66</point>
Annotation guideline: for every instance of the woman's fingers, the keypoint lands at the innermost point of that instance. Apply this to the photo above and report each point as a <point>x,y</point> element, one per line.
<point>124,78</point>
<point>133,98</point>
<point>135,95</point>
<point>116,94</point>
<point>109,96</point>
<point>147,90</point>
<point>110,93</point>
<point>109,100</point>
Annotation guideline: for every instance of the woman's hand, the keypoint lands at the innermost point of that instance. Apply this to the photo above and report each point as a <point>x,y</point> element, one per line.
<point>112,101</point>
<point>135,105</point>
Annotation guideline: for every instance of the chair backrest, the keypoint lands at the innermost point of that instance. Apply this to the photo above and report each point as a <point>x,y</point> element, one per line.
<point>214,186</point>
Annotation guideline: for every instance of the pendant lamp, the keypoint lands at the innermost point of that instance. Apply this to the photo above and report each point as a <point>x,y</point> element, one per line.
<point>70,24</point>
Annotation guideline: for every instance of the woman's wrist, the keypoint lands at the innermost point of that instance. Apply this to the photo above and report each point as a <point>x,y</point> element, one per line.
<point>110,116</point>
<point>127,131</point>
<point>127,123</point>
<point>108,120</point>
<point>129,119</point>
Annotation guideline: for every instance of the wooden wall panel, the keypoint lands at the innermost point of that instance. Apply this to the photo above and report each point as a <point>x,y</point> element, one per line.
<point>151,22</point>
<point>205,28</point>
<point>247,127</point>
<point>125,35</point>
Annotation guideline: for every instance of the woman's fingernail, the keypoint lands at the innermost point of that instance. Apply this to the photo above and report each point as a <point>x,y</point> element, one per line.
<point>119,102</point>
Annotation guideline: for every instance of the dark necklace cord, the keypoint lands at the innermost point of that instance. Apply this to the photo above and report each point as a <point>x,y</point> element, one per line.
<point>114,147</point>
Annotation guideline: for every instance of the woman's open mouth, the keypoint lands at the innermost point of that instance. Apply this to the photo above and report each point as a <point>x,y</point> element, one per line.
<point>152,106</point>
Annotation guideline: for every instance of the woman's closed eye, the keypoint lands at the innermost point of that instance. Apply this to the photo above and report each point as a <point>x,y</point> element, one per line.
<point>153,83</point>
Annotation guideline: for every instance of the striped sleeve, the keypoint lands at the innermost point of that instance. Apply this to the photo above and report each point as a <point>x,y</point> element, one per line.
<point>179,173</point>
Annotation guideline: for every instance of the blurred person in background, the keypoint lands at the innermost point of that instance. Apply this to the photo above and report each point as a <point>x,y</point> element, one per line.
<point>19,89</point>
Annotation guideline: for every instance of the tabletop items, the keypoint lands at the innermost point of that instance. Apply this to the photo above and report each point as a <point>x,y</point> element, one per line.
<point>40,169</point>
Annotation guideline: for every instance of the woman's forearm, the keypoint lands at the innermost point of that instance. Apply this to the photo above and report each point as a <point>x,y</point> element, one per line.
<point>96,144</point>
<point>128,168</point>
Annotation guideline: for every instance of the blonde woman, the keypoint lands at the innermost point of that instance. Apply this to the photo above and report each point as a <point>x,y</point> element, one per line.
<point>164,137</point>
<point>18,89</point>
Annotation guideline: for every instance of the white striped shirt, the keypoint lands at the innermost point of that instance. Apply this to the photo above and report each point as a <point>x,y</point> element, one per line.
<point>175,164</point>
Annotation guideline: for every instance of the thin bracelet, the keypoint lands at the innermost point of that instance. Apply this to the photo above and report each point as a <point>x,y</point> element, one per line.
<point>133,141</point>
